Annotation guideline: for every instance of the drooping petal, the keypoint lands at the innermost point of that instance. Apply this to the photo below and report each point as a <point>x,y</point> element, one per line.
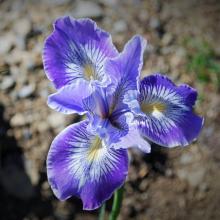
<point>76,50</point>
<point>80,164</point>
<point>133,139</point>
<point>166,115</point>
<point>68,99</point>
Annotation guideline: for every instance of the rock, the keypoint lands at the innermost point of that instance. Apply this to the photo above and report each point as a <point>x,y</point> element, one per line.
<point>167,39</point>
<point>56,120</point>
<point>32,171</point>
<point>14,58</point>
<point>109,3</point>
<point>7,42</point>
<point>144,185</point>
<point>45,190</point>
<point>88,9</point>
<point>178,57</point>
<point>196,177</point>
<point>56,2</point>
<point>181,52</point>
<point>7,83</point>
<point>22,26</point>
<point>169,172</point>
<point>186,158</point>
<point>143,15</point>
<point>165,50</point>
<point>175,60</point>
<point>42,126</point>
<point>18,120</point>
<point>154,23</point>
<point>15,71</point>
<point>20,42</point>
<point>27,133</point>
<point>144,170</point>
<point>193,175</point>
<point>26,91</point>
<point>204,187</point>
<point>120,26</point>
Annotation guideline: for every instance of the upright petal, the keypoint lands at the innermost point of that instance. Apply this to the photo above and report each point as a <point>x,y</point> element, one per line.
<point>166,115</point>
<point>76,50</point>
<point>124,70</point>
<point>80,164</point>
<point>127,64</point>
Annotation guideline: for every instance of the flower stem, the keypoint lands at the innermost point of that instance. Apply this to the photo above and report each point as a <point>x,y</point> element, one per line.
<point>102,212</point>
<point>116,207</point>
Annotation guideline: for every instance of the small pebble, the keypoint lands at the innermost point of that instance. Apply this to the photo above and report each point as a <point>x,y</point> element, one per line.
<point>26,91</point>
<point>18,120</point>
<point>88,9</point>
<point>120,26</point>
<point>7,83</point>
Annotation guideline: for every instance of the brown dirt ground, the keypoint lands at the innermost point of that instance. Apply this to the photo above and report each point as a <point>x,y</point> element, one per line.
<point>168,184</point>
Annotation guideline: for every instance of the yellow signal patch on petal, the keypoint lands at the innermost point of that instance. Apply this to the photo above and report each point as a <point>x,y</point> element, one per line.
<point>96,150</point>
<point>89,71</point>
<point>153,108</point>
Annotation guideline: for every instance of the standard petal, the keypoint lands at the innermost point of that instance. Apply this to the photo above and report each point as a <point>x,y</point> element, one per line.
<point>124,70</point>
<point>76,49</point>
<point>127,64</point>
<point>80,164</point>
<point>167,116</point>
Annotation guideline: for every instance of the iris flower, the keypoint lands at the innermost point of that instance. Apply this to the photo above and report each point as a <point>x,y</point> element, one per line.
<point>85,160</point>
<point>163,112</point>
<point>73,57</point>
<point>89,159</point>
<point>80,164</point>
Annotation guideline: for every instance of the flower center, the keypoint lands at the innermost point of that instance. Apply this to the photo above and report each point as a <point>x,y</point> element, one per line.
<point>89,72</point>
<point>153,108</point>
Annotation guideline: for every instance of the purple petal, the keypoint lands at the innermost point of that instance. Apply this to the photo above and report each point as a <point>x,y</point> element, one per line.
<point>167,116</point>
<point>108,123</point>
<point>124,70</point>
<point>112,128</point>
<point>68,99</point>
<point>80,164</point>
<point>97,103</point>
<point>127,64</point>
<point>133,139</point>
<point>77,49</point>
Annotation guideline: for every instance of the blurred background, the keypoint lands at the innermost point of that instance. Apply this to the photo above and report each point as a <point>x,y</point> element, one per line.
<point>168,184</point>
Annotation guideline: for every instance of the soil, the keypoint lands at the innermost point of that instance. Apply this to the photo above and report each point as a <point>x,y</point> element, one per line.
<point>167,184</point>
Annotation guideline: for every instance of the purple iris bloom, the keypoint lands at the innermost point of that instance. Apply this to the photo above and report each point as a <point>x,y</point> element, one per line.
<point>87,159</point>
<point>80,164</point>
<point>164,112</point>
<point>74,56</point>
